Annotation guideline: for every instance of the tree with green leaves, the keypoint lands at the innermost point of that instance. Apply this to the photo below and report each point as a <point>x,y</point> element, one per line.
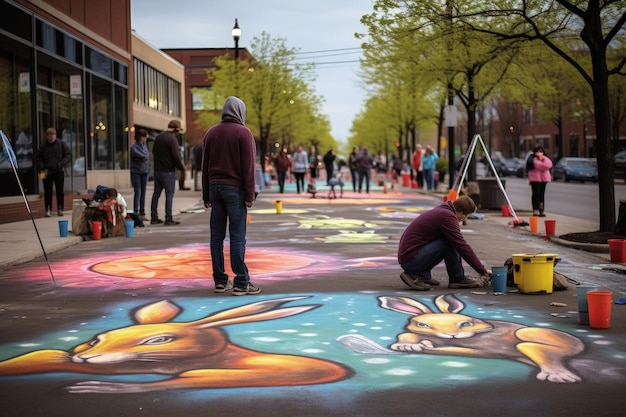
<point>469,65</point>
<point>281,104</point>
<point>588,35</point>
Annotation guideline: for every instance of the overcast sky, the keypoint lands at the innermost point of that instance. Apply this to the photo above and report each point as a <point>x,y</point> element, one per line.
<point>308,26</point>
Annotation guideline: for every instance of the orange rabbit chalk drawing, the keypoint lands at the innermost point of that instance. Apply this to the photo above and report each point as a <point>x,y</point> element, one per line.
<point>450,333</point>
<point>196,354</point>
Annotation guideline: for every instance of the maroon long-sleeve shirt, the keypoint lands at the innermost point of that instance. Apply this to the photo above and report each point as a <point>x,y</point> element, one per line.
<point>229,152</point>
<point>440,222</point>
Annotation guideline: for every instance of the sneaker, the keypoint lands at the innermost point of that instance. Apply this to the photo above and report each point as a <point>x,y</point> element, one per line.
<point>251,289</point>
<point>60,213</point>
<point>414,282</point>
<point>156,221</point>
<point>48,213</point>
<point>220,288</point>
<point>429,281</point>
<point>466,283</point>
<point>171,223</point>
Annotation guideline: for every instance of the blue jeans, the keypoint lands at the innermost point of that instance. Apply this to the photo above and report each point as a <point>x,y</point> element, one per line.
<point>228,206</point>
<point>163,181</point>
<point>139,183</point>
<point>281,180</point>
<point>355,178</point>
<point>430,255</point>
<point>429,178</point>
<point>364,176</point>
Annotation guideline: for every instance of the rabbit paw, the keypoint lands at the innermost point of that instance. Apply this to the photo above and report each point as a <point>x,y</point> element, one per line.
<point>101,387</point>
<point>564,376</point>
<point>413,347</point>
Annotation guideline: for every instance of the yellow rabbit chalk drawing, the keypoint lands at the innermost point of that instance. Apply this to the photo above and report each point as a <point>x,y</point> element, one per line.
<point>451,333</point>
<point>196,354</point>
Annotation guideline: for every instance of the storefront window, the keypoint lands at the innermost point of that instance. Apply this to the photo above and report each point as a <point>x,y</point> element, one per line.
<point>16,123</point>
<point>101,124</point>
<point>121,128</point>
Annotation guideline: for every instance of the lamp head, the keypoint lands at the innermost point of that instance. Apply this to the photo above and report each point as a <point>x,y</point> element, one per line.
<point>236,31</point>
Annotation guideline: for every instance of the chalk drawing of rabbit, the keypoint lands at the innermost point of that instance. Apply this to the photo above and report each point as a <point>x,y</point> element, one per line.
<point>449,333</point>
<point>196,354</point>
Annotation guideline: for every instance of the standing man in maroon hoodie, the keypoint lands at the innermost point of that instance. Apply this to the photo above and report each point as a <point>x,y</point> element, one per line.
<point>228,166</point>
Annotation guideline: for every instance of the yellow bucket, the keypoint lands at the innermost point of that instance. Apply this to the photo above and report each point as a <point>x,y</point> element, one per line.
<point>534,272</point>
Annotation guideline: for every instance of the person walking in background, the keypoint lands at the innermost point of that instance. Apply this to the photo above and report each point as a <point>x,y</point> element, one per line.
<point>53,156</point>
<point>299,164</point>
<point>329,161</point>
<point>314,163</point>
<point>396,167</point>
<point>228,188</point>
<point>429,161</point>
<point>435,236</point>
<point>416,163</point>
<point>538,166</point>
<point>282,163</point>
<point>366,163</point>
<point>196,165</point>
<point>353,165</point>
<point>139,170</point>
<point>166,154</point>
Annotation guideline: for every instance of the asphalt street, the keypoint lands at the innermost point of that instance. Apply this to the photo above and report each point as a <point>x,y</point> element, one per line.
<point>131,326</point>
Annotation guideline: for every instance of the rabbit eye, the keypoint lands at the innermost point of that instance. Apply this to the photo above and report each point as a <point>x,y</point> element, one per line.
<point>466,324</point>
<point>93,342</point>
<point>159,340</point>
<point>423,325</point>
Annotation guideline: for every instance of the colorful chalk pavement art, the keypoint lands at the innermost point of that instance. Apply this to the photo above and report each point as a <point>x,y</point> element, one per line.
<point>334,343</point>
<point>357,341</point>
<point>189,266</point>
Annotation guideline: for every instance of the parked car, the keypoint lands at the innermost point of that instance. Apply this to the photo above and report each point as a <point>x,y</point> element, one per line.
<point>577,169</point>
<point>619,165</point>
<point>509,167</point>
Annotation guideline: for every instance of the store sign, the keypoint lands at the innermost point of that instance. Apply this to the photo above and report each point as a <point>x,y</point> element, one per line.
<point>24,82</point>
<point>76,86</point>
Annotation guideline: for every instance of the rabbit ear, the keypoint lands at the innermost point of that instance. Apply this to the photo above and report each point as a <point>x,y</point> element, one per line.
<point>404,305</point>
<point>449,304</point>
<point>259,311</point>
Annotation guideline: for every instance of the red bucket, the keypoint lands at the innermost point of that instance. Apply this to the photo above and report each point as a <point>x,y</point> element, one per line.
<point>599,303</point>
<point>617,249</point>
<point>406,179</point>
<point>550,227</point>
<point>96,230</point>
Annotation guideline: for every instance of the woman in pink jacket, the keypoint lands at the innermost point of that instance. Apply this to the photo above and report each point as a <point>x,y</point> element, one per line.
<point>538,166</point>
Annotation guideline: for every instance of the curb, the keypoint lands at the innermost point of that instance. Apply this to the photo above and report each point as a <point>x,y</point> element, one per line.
<point>587,247</point>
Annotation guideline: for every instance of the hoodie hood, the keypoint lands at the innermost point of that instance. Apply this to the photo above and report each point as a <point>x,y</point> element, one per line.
<point>234,110</point>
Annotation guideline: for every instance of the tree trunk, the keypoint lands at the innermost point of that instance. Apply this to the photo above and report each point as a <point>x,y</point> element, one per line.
<point>592,36</point>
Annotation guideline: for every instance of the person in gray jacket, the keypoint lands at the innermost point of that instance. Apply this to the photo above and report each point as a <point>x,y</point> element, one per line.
<point>139,170</point>
<point>366,163</point>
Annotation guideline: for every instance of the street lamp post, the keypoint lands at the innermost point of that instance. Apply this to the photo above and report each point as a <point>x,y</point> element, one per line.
<point>236,35</point>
